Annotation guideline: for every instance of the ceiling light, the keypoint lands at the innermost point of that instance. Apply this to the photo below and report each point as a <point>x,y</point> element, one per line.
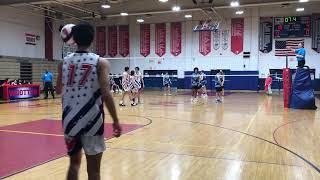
<point>188,16</point>
<point>300,9</point>
<point>140,20</point>
<point>239,12</point>
<point>124,14</point>
<point>176,8</point>
<point>163,0</point>
<point>105,6</point>
<point>234,4</point>
<point>303,1</point>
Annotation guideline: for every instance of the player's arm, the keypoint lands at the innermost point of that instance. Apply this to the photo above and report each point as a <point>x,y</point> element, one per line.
<point>103,74</point>
<point>59,79</point>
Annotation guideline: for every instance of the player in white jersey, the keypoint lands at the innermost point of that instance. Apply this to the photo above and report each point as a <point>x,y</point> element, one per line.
<point>134,84</point>
<point>166,81</point>
<point>139,76</point>
<point>83,81</point>
<point>125,85</point>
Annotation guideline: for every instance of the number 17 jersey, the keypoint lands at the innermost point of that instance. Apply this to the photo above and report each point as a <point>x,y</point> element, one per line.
<point>82,103</point>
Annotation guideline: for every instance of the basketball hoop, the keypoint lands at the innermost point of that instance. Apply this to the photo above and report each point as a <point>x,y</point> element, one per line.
<point>210,21</point>
<point>207,26</point>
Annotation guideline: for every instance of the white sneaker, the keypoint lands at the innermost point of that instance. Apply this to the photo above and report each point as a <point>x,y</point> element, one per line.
<point>112,91</point>
<point>169,94</point>
<point>194,100</point>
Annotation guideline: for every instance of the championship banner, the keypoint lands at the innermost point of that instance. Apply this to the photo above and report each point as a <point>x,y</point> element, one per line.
<point>216,40</point>
<point>30,39</point>
<point>145,40</point>
<point>316,33</point>
<point>112,41</point>
<point>237,30</point>
<point>160,39</point>
<point>225,39</point>
<point>124,40</point>
<point>101,41</point>
<point>176,37</point>
<point>265,34</point>
<point>204,42</point>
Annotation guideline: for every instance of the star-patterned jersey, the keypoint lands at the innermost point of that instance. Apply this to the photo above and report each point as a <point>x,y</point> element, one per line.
<point>125,81</point>
<point>135,83</point>
<point>82,101</point>
<point>139,77</point>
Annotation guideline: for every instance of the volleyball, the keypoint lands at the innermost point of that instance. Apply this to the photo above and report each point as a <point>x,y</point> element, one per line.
<point>66,34</point>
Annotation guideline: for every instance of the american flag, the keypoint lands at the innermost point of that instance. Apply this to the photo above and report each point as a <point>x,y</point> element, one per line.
<point>283,47</point>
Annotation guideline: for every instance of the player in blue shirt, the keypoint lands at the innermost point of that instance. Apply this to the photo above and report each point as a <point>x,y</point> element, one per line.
<point>301,55</point>
<point>195,84</point>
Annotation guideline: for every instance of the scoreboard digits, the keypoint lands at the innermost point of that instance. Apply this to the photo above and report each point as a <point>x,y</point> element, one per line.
<point>292,26</point>
<point>290,19</point>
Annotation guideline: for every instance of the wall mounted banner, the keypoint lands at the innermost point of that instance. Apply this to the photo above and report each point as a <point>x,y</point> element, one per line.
<point>225,39</point>
<point>316,32</point>
<point>30,39</point>
<point>216,40</point>
<point>145,40</point>
<point>160,39</point>
<point>112,41</point>
<point>237,30</point>
<point>101,41</point>
<point>124,40</point>
<point>204,42</point>
<point>176,37</point>
<point>265,34</point>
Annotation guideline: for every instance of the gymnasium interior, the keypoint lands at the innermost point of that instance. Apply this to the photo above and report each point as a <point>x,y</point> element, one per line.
<point>249,134</point>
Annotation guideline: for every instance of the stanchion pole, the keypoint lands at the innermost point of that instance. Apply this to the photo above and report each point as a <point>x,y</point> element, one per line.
<point>286,76</point>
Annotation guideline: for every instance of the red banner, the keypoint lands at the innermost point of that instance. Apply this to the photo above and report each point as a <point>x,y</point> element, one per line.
<point>237,29</point>
<point>112,41</point>
<point>124,40</point>
<point>205,42</point>
<point>160,36</point>
<point>145,40</point>
<point>176,38</point>
<point>101,40</point>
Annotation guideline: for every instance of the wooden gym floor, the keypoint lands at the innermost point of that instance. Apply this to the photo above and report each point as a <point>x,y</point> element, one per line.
<point>249,136</point>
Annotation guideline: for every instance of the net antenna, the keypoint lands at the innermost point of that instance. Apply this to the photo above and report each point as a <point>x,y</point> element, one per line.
<point>211,20</point>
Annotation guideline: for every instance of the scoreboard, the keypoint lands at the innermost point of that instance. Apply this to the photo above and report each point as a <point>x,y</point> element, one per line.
<point>292,27</point>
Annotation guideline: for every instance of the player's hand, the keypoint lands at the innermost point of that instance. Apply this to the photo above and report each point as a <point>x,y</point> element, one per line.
<point>116,130</point>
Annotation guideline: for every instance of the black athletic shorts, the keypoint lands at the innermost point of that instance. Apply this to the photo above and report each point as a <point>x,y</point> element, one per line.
<point>218,89</point>
<point>196,87</point>
<point>301,63</point>
<point>166,85</point>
